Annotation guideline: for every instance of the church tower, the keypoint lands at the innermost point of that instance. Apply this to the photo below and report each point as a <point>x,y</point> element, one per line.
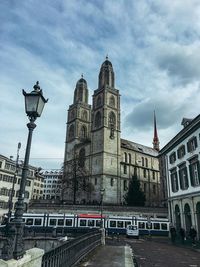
<point>105,136</point>
<point>155,138</point>
<point>78,124</point>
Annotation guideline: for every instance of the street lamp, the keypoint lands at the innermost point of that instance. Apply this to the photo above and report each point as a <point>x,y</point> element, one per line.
<point>102,193</point>
<point>34,104</point>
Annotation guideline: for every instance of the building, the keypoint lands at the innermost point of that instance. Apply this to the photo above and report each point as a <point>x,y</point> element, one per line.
<point>52,184</point>
<point>181,156</point>
<point>8,176</point>
<point>96,158</point>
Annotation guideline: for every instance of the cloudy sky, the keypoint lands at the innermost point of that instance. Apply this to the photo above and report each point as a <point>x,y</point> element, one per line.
<point>153,46</point>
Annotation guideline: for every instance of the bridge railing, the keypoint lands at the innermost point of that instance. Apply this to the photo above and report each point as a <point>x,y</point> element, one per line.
<point>70,253</point>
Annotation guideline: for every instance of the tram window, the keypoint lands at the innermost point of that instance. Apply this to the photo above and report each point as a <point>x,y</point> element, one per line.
<point>127,223</point>
<point>112,223</point>
<point>29,222</point>
<point>68,222</point>
<point>141,225</point>
<point>52,222</point>
<point>98,223</point>
<point>82,222</point>
<point>60,222</point>
<point>148,225</point>
<point>38,221</point>
<point>90,222</point>
<point>156,226</point>
<point>163,226</point>
<point>120,224</point>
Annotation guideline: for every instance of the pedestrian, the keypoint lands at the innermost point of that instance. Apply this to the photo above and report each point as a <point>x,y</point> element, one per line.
<point>193,234</point>
<point>182,235</point>
<point>173,234</point>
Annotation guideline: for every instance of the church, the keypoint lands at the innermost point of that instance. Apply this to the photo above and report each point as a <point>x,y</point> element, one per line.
<point>98,163</point>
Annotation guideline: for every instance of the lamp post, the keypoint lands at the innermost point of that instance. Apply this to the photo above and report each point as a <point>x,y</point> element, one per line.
<point>34,104</point>
<point>102,193</point>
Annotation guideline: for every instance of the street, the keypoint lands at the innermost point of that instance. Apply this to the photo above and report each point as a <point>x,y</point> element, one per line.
<point>160,252</point>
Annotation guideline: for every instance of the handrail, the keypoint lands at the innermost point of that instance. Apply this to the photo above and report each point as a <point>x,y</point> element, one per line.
<point>71,252</point>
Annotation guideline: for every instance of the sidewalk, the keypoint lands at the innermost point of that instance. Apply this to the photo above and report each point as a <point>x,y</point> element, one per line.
<point>110,256</point>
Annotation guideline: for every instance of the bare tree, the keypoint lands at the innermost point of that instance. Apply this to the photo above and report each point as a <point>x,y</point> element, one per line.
<point>76,179</point>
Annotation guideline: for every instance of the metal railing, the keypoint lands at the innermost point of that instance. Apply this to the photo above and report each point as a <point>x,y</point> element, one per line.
<point>70,253</point>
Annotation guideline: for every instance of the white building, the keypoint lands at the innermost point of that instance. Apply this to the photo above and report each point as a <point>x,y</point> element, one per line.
<point>182,155</point>
<point>8,175</point>
<point>52,184</point>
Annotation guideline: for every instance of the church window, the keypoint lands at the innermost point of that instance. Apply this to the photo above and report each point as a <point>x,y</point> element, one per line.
<point>80,94</point>
<point>154,189</point>
<point>95,181</point>
<point>97,122</point>
<point>81,161</point>
<point>72,114</point>
<point>83,132</point>
<point>71,132</point>
<point>111,119</point>
<point>125,156</point>
<point>98,101</point>
<point>84,115</point>
<point>112,101</point>
<point>145,173</point>
<point>145,187</point>
<point>111,181</point>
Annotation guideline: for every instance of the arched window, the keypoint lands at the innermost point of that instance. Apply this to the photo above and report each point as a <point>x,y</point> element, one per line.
<point>142,161</point>
<point>129,156</point>
<point>84,115</point>
<point>83,132</point>
<point>97,121</point>
<point>81,162</point>
<point>71,131</point>
<point>146,162</point>
<point>98,101</point>
<point>112,101</point>
<point>125,156</point>
<point>111,119</point>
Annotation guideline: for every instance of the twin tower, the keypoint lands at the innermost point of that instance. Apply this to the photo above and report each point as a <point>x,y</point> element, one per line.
<point>98,163</point>
<point>92,152</point>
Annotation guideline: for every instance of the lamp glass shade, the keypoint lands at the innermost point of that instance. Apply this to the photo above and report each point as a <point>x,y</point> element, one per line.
<point>34,104</point>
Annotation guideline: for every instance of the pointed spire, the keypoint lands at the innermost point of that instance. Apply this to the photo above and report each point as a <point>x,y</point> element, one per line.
<point>155,138</point>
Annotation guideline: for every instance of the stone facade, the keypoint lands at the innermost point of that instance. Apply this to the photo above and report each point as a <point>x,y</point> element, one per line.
<point>182,174</point>
<point>94,136</point>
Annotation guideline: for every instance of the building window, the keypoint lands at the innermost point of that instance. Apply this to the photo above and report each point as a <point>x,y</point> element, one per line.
<point>97,121</point>
<point>84,115</point>
<point>129,157</point>
<point>181,152</point>
<point>183,177</point>
<point>125,157</point>
<point>111,181</point>
<point>125,169</point>
<point>146,162</point>
<point>125,185</point>
<point>71,131</point>
<point>153,175</point>
<point>112,101</point>
<point>142,161</point>
<point>98,101</point>
<point>83,132</point>
<point>192,144</point>
<point>194,172</point>
<point>172,158</point>
<point>174,181</point>
<point>95,181</point>
<point>144,173</point>
<point>81,160</point>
